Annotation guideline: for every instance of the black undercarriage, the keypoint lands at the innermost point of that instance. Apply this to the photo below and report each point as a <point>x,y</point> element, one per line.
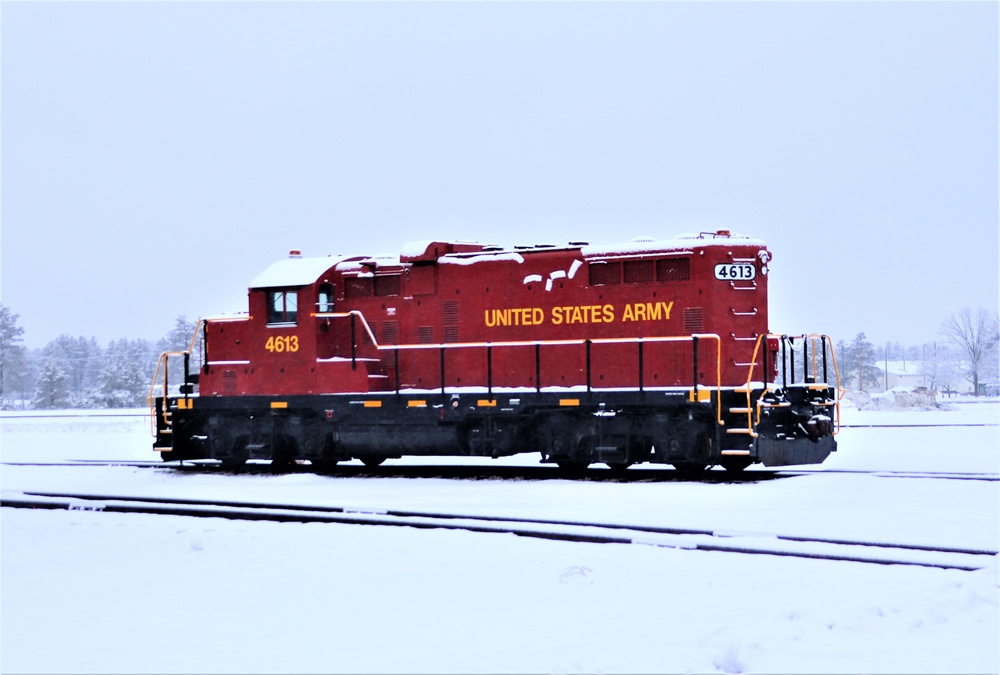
<point>690,430</point>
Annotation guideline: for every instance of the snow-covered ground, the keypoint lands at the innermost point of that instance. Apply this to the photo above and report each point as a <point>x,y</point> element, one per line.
<point>104,592</point>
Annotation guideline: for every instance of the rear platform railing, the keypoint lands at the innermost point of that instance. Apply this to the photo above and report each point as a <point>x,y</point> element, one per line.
<point>161,380</point>
<point>813,381</point>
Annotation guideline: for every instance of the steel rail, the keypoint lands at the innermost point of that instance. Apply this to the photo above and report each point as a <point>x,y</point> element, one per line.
<point>483,524</point>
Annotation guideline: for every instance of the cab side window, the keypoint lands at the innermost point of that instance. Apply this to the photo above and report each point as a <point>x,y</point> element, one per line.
<point>282,306</point>
<point>324,302</point>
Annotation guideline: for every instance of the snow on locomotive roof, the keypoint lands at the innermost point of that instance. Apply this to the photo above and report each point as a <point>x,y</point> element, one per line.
<point>294,272</point>
<point>299,271</point>
<point>682,242</point>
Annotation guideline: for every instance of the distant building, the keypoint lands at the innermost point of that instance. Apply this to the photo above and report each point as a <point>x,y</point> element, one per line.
<point>901,374</point>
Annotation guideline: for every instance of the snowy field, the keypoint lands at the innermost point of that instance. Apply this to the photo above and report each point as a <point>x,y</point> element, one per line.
<point>105,592</point>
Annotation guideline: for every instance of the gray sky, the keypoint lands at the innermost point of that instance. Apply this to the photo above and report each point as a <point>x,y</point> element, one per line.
<point>157,156</point>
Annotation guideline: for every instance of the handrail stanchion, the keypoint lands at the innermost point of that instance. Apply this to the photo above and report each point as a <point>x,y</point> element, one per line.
<point>784,363</point>
<point>694,354</point>
<point>442,370</point>
<point>805,359</point>
<point>588,365</point>
<point>354,346</point>
<point>766,359</point>
<point>489,370</point>
<point>823,341</point>
<point>395,365</point>
<point>641,391</point>
<point>538,367</point>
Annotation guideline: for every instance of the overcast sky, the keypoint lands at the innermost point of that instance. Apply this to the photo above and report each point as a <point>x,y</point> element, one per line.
<point>157,156</point>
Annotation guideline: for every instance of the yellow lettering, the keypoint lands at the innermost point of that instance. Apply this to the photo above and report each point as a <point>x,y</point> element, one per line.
<point>653,311</point>
<point>667,308</point>
<point>609,313</point>
<point>640,311</point>
<point>520,316</point>
<point>557,316</point>
<point>577,315</point>
<point>282,343</point>
<point>627,315</point>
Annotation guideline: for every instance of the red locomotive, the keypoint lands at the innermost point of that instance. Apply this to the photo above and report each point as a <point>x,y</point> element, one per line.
<point>653,351</point>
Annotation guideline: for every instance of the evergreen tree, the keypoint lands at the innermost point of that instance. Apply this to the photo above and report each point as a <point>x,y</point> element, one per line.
<point>858,367</point>
<point>80,360</point>
<point>13,356</point>
<point>124,380</point>
<point>53,390</point>
<point>180,336</point>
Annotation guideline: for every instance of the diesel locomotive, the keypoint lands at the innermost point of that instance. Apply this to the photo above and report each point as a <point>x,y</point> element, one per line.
<point>648,351</point>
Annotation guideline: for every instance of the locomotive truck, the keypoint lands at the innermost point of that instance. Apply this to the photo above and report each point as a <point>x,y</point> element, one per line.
<point>649,351</point>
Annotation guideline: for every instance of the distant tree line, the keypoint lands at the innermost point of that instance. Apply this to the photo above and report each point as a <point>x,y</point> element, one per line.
<point>968,352</point>
<point>77,372</point>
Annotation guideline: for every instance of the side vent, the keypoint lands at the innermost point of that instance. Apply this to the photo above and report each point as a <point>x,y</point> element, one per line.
<point>450,320</point>
<point>694,321</point>
<point>390,333</point>
<point>229,383</point>
<point>425,335</point>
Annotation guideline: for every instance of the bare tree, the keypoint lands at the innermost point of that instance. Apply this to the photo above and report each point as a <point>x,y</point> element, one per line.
<point>975,332</point>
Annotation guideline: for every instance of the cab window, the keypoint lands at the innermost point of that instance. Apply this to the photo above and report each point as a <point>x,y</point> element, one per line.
<point>282,306</point>
<point>324,301</point>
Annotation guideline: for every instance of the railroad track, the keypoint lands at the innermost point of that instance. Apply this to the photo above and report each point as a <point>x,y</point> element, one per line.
<point>857,551</point>
<point>480,472</point>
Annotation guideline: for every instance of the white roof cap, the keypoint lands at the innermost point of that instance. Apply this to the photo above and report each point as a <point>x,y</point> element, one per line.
<point>294,272</point>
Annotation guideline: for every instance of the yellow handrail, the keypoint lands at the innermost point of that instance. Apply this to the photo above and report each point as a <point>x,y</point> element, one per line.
<point>163,359</point>
<point>463,345</point>
<point>767,385</point>
<point>532,343</point>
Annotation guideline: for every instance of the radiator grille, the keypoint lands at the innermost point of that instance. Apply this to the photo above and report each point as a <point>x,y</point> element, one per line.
<point>605,273</point>
<point>387,284</point>
<point>673,269</point>
<point>357,287</point>
<point>638,271</point>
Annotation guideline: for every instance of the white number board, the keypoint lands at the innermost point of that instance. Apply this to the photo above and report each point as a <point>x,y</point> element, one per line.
<point>735,272</point>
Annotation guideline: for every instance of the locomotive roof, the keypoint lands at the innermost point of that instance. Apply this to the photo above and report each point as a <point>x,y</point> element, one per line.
<point>294,272</point>
<point>299,271</point>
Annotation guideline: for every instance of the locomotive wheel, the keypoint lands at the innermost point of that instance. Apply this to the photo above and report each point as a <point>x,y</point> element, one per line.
<point>372,461</point>
<point>735,465</point>
<point>239,456</point>
<point>690,469</point>
<point>324,464</point>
